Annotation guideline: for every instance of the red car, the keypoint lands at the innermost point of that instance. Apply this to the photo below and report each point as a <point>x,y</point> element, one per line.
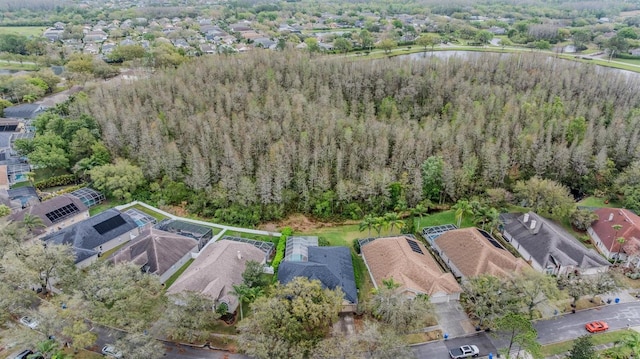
<point>595,327</point>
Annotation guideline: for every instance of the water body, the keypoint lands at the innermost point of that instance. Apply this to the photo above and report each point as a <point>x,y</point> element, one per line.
<point>7,72</point>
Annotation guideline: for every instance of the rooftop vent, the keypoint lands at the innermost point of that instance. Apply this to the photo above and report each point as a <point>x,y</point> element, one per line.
<point>525,218</point>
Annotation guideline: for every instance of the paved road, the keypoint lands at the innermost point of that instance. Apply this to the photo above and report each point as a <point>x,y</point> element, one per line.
<point>558,329</point>
<point>571,326</point>
<point>440,349</point>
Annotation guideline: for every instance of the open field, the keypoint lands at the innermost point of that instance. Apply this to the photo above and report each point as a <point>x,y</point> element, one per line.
<point>22,30</point>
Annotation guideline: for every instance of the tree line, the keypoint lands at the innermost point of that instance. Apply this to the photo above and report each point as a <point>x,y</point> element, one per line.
<point>262,135</point>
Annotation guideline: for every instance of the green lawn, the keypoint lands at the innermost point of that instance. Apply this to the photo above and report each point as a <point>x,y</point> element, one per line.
<point>44,173</point>
<point>111,251</point>
<point>599,202</point>
<point>158,216</point>
<point>256,237</point>
<point>23,30</point>
<point>444,217</point>
<point>21,184</point>
<point>108,204</point>
<point>597,339</point>
<point>177,274</point>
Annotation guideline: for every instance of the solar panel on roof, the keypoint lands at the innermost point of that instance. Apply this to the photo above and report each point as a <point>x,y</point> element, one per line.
<point>414,246</point>
<point>490,239</point>
<point>62,213</point>
<point>109,224</point>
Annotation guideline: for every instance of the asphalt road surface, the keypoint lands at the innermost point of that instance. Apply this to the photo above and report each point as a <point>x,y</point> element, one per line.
<point>571,326</point>
<point>560,328</point>
<point>440,349</point>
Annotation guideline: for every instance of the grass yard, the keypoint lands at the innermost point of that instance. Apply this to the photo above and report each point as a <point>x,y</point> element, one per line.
<point>444,217</point>
<point>158,216</point>
<point>23,30</point>
<point>111,251</point>
<point>599,202</point>
<point>256,237</point>
<point>108,204</point>
<point>417,338</point>
<point>177,274</point>
<point>44,173</point>
<point>597,339</point>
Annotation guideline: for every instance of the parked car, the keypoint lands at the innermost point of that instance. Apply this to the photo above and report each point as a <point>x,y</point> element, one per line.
<point>29,322</point>
<point>465,351</point>
<point>111,351</point>
<point>597,326</point>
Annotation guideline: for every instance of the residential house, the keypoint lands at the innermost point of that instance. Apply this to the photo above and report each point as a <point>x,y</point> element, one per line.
<point>55,214</point>
<point>20,197</point>
<point>208,49</point>
<point>95,36</point>
<point>471,252</point>
<point>265,43</point>
<point>202,234</point>
<point>158,252</point>
<point>606,237</point>
<point>26,111</point>
<point>53,34</point>
<point>548,247</point>
<point>215,271</point>
<point>332,266</point>
<point>407,262</point>
<point>95,235</point>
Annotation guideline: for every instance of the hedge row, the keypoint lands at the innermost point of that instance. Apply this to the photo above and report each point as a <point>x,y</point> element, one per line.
<point>56,181</point>
<point>282,244</point>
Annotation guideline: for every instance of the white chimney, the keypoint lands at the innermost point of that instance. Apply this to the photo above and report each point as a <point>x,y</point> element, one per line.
<point>533,224</point>
<point>239,255</point>
<point>610,216</point>
<point>525,218</point>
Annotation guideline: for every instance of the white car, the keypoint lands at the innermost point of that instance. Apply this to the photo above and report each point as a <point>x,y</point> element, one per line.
<point>29,322</point>
<point>111,351</point>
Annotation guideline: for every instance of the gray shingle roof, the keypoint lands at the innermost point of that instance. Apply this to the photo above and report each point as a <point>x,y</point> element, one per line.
<point>27,110</point>
<point>332,266</point>
<point>85,237</point>
<point>549,244</point>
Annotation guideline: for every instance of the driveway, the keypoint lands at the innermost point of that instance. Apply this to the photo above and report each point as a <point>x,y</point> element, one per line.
<point>453,320</point>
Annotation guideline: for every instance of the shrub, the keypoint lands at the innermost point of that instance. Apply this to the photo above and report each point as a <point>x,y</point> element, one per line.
<point>282,244</point>
<point>56,181</point>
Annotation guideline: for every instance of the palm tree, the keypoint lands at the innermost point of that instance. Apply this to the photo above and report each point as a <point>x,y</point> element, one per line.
<point>462,207</point>
<point>47,348</point>
<point>241,291</point>
<point>367,222</point>
<point>620,241</point>
<point>393,220</point>
<point>616,227</point>
<point>630,341</point>
<point>493,219</point>
<point>32,222</point>
<point>378,224</point>
<point>420,210</point>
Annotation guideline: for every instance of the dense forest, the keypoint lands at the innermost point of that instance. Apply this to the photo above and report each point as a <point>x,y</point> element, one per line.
<point>285,132</point>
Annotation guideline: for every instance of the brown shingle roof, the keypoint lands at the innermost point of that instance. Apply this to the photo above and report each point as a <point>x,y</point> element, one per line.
<point>41,209</point>
<point>156,248</point>
<point>392,257</point>
<point>473,254</point>
<point>216,270</point>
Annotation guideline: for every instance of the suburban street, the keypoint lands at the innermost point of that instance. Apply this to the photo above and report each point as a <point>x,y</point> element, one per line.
<point>561,328</point>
